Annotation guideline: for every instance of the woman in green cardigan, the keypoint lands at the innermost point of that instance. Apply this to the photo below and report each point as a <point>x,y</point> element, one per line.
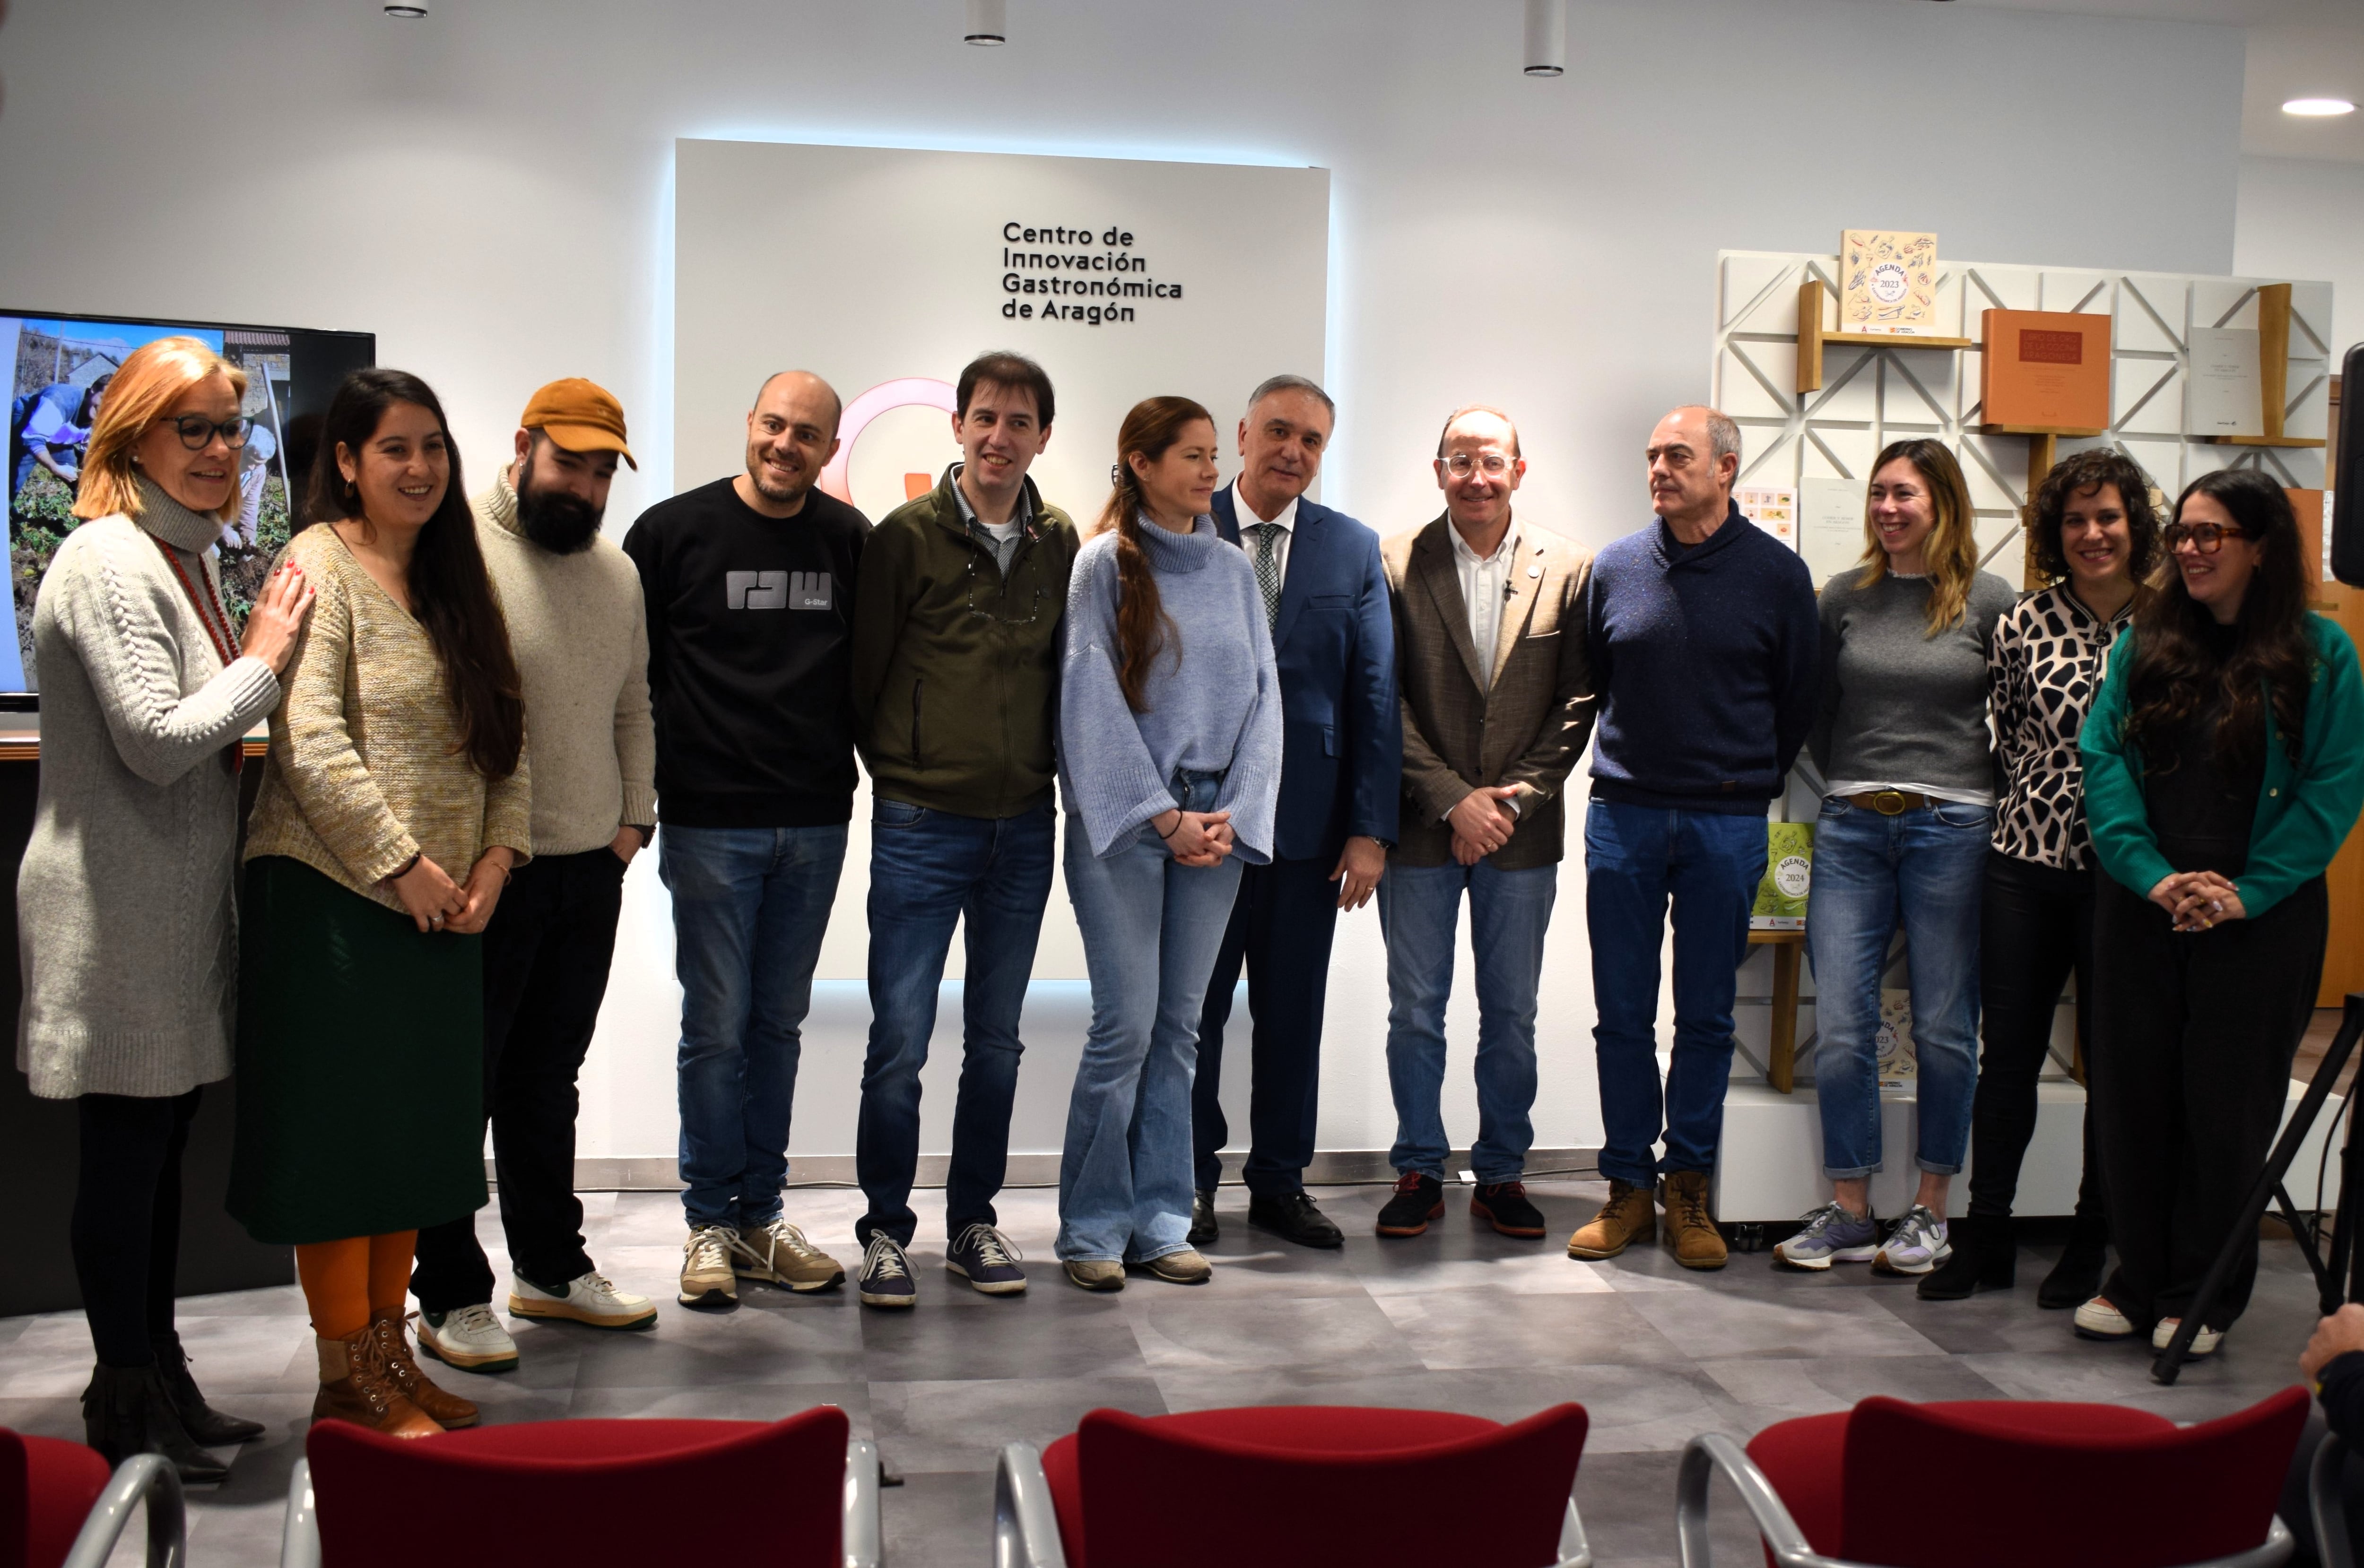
<point>2223,765</point>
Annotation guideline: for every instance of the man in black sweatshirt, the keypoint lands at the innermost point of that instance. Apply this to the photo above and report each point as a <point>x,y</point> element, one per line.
<point>749,583</point>
<point>1704,640</point>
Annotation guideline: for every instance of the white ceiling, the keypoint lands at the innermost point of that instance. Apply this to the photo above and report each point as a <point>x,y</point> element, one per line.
<point>2297,49</point>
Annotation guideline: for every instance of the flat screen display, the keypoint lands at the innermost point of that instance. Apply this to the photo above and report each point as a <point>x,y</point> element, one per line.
<point>60,368</point>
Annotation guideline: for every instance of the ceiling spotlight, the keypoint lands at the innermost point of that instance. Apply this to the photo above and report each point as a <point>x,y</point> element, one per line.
<point>988,23</point>
<point>2318,108</point>
<point>406,13</point>
<point>1546,38</point>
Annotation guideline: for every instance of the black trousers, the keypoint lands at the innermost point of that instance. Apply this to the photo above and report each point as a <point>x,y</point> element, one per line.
<point>2190,1057</point>
<point>1280,929</point>
<point>546,956</point>
<point>2035,928</point>
<point>125,1229</point>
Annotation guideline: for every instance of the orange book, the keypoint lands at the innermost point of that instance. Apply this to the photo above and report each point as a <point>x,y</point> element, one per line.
<point>2047,369</point>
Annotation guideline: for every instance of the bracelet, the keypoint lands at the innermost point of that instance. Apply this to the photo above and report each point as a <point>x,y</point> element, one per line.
<point>1178,824</point>
<point>406,868</point>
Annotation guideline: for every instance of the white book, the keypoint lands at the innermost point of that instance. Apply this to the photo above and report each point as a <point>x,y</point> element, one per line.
<point>1830,525</point>
<point>1774,511</point>
<point>2224,393</point>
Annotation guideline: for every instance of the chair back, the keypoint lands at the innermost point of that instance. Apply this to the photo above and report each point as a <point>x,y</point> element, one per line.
<point>1326,1487</point>
<point>587,1490</point>
<point>2205,1492</point>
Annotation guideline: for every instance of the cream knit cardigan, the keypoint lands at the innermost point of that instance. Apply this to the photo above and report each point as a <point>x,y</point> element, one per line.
<point>126,927</point>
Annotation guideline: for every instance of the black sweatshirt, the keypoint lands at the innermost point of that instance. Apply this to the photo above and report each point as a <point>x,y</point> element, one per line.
<point>750,656</point>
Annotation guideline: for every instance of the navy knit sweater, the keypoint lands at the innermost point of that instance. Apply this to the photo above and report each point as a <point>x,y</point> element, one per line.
<point>1705,663</point>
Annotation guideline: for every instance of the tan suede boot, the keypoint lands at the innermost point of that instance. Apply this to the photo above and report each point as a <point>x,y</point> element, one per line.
<point>448,1410</point>
<point>354,1387</point>
<point>1691,1234</point>
<point>1626,1218</point>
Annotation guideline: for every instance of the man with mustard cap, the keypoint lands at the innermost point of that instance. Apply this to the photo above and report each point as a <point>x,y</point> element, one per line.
<point>576,618</point>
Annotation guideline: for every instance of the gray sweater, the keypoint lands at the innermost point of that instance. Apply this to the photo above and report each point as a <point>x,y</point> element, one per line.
<point>1899,709</point>
<point>1214,694</point>
<point>127,930</point>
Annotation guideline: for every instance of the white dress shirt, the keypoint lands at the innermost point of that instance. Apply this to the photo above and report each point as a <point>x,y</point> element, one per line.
<point>1485,585</point>
<point>1286,523</point>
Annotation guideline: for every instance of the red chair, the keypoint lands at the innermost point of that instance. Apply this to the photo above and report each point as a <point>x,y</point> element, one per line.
<point>1313,1486</point>
<point>560,1491</point>
<point>59,1509</point>
<point>2061,1485</point>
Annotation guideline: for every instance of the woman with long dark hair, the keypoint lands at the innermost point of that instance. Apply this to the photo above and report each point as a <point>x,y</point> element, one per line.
<point>393,806</point>
<point>2223,766</point>
<point>2095,535</point>
<point>1169,764</point>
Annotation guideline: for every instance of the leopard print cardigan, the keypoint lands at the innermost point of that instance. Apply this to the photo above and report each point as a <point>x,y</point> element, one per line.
<point>2043,669</point>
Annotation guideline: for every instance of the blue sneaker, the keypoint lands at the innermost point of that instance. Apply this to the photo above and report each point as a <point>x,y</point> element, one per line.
<point>1917,1244</point>
<point>1831,1235</point>
<point>986,1258</point>
<point>886,1274</point>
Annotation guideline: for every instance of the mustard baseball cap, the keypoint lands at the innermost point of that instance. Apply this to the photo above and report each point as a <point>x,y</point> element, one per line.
<point>581,416</point>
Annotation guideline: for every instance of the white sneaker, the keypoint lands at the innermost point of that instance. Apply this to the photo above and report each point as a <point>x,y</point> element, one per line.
<point>592,1298</point>
<point>2203,1344</point>
<point>469,1338</point>
<point>2097,1320</point>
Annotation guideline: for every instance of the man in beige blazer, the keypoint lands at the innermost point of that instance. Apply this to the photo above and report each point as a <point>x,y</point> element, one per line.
<point>1496,706</point>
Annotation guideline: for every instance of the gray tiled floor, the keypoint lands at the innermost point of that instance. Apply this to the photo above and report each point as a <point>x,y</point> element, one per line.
<point>1458,1319</point>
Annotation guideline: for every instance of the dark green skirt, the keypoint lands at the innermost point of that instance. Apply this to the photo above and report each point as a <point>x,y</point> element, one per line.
<point>361,1047</point>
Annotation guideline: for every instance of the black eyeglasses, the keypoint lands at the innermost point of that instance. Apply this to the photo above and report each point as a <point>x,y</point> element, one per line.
<point>1033,609</point>
<point>2206,537</point>
<point>197,432</point>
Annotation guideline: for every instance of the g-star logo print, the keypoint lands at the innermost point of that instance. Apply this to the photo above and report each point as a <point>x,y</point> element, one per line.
<point>778,590</point>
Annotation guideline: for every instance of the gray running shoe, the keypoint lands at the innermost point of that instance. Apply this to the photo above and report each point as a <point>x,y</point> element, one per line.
<point>1917,1244</point>
<point>1831,1235</point>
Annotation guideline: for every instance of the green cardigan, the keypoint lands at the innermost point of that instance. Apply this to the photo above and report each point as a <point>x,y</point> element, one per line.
<point>2304,810</point>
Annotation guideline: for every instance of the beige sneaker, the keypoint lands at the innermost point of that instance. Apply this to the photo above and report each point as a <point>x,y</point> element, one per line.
<point>593,1299</point>
<point>779,1255</point>
<point>707,1277</point>
<point>1181,1268</point>
<point>1096,1273</point>
<point>1627,1218</point>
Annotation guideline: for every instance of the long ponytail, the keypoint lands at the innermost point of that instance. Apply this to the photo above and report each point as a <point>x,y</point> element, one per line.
<point>1143,627</point>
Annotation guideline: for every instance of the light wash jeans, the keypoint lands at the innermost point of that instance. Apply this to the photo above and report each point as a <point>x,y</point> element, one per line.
<point>1926,869</point>
<point>1420,910</point>
<point>1151,932</point>
<point>749,907</point>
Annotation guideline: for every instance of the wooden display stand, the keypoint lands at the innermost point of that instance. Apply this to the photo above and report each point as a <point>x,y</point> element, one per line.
<point>1781,1060</point>
<point>2273,371</point>
<point>1813,337</point>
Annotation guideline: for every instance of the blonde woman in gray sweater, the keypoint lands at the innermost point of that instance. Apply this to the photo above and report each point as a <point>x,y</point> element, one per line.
<point>126,929</point>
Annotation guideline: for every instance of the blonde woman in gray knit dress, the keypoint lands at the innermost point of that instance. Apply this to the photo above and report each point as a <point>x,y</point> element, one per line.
<point>127,932</point>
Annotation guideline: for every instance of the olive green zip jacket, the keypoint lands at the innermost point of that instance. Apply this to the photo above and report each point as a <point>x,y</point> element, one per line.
<point>955,669</point>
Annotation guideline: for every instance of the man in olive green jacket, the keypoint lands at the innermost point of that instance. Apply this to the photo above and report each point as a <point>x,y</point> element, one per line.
<point>955,699</point>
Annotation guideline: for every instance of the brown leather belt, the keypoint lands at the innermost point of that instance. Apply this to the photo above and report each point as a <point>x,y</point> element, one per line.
<point>1890,802</point>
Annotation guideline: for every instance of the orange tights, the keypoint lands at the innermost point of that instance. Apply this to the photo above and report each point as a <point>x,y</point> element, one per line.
<point>345,1280</point>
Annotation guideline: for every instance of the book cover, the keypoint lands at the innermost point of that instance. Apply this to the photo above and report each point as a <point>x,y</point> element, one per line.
<point>2224,393</point>
<point>1789,876</point>
<point>1774,511</point>
<point>1830,525</point>
<point>2049,369</point>
<point>1888,283</point>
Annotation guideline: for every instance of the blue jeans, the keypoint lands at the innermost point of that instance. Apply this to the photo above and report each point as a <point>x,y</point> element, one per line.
<point>1151,932</point>
<point>1636,860</point>
<point>930,870</point>
<point>1925,869</point>
<point>1419,908</point>
<point>749,907</point>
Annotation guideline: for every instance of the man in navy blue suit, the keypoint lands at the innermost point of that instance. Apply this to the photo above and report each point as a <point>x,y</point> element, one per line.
<point>1326,596</point>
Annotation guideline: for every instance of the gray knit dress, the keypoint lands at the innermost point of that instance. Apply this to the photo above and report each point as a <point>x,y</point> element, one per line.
<point>127,931</point>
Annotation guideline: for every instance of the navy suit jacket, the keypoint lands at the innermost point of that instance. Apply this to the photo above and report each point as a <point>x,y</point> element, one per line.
<point>1342,728</point>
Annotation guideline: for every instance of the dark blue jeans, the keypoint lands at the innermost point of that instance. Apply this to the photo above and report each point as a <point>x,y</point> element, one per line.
<point>1637,859</point>
<point>749,908</point>
<point>930,870</point>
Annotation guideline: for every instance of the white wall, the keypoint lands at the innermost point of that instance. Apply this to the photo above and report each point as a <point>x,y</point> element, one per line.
<point>489,192</point>
<point>2301,217</point>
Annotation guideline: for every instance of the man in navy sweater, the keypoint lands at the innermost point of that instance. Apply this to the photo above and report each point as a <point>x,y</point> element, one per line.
<point>1702,635</point>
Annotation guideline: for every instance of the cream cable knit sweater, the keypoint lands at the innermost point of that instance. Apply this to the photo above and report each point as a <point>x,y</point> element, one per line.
<point>126,927</point>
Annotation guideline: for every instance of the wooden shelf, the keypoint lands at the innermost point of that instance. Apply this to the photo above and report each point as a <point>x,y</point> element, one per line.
<point>2260,441</point>
<point>1863,341</point>
<point>1812,338</point>
<point>2058,432</point>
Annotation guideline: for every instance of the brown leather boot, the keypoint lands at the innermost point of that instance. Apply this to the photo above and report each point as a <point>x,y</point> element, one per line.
<point>1691,1234</point>
<point>390,1326</point>
<point>354,1387</point>
<point>1626,1218</point>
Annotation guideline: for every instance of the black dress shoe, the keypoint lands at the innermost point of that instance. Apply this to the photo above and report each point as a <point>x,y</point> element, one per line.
<point>206,1427</point>
<point>126,1410</point>
<point>1418,1199</point>
<point>1292,1218</point>
<point>1504,1206</point>
<point>1203,1227</point>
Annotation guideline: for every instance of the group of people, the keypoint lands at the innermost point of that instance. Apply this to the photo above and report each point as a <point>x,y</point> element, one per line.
<point>1253,715</point>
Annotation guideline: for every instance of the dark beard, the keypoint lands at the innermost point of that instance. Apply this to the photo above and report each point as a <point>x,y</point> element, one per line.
<point>559,523</point>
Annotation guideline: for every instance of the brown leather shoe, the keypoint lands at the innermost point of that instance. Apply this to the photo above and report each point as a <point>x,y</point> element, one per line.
<point>391,1326</point>
<point>354,1387</point>
<point>1626,1218</point>
<point>1690,1232</point>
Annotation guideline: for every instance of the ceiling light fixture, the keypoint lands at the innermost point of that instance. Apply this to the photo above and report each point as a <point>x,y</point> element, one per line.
<point>2318,108</point>
<point>1546,38</point>
<point>406,13</point>
<point>988,23</point>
